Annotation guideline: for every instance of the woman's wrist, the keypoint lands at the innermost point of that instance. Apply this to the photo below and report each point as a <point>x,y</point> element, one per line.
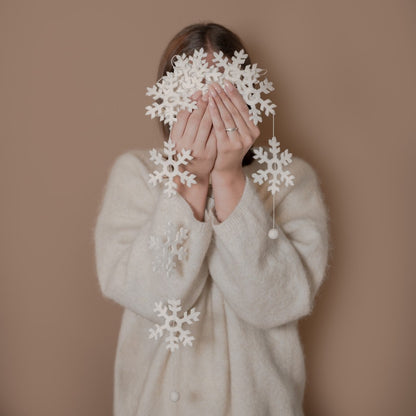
<point>227,178</point>
<point>195,195</point>
<point>227,189</point>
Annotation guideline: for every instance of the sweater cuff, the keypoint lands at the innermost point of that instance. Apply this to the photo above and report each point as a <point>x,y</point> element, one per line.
<point>177,204</point>
<point>249,211</point>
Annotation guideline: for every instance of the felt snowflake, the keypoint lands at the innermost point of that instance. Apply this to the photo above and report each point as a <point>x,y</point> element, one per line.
<point>170,167</point>
<point>275,166</point>
<point>173,324</point>
<point>191,73</point>
<point>169,248</point>
<point>247,83</point>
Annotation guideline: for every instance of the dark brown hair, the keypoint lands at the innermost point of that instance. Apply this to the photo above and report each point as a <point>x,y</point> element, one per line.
<point>212,37</point>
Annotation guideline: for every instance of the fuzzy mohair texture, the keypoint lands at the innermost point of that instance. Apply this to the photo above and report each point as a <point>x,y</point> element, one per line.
<point>247,358</point>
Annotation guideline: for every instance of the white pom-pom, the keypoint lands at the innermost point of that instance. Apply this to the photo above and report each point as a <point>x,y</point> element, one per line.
<point>273,233</point>
<point>174,396</point>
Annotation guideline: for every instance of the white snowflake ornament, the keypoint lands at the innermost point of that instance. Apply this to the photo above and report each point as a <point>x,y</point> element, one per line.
<point>192,73</point>
<point>169,248</point>
<point>275,165</point>
<point>170,167</point>
<point>247,83</point>
<point>173,324</point>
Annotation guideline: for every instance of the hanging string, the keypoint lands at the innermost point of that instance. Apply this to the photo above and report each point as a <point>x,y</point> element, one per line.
<point>174,394</point>
<point>173,361</point>
<point>273,193</point>
<point>273,232</point>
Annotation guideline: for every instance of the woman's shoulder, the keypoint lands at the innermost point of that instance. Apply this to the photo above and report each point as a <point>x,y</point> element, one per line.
<point>135,158</point>
<point>304,174</point>
<point>299,167</point>
<point>130,171</point>
<point>134,166</point>
<point>303,170</point>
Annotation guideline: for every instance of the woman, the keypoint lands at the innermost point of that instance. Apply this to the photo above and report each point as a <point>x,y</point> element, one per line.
<point>250,290</point>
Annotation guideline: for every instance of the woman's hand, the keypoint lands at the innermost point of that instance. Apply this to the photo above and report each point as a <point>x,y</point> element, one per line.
<point>229,109</point>
<point>193,130</point>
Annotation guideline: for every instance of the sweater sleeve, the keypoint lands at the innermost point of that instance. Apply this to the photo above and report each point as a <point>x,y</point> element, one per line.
<point>130,213</point>
<point>269,282</point>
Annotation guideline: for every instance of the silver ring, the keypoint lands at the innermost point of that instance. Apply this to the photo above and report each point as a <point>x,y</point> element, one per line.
<point>229,129</point>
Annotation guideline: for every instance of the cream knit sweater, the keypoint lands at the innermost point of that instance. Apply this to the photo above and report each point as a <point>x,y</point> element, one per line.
<point>250,290</point>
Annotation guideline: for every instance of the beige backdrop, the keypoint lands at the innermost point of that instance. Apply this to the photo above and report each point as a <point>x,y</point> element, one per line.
<point>73,82</point>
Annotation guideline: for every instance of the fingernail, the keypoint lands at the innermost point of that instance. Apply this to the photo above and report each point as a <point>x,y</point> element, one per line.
<point>205,97</point>
<point>218,88</point>
<point>228,85</point>
<point>195,95</point>
<point>212,91</point>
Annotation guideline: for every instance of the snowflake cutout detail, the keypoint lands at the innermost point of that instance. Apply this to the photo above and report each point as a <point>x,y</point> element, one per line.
<point>170,167</point>
<point>169,248</point>
<point>247,83</point>
<point>173,324</point>
<point>274,166</point>
<point>192,73</point>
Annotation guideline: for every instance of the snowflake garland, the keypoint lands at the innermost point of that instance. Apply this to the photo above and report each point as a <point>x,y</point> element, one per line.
<point>170,167</point>
<point>173,324</point>
<point>274,168</point>
<point>168,248</point>
<point>275,165</point>
<point>192,73</point>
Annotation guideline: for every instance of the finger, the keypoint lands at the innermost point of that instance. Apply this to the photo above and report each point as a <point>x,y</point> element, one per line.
<point>217,122</point>
<point>234,95</point>
<point>178,127</point>
<point>194,120</point>
<point>235,114</point>
<point>211,144</point>
<point>227,118</point>
<point>203,131</point>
